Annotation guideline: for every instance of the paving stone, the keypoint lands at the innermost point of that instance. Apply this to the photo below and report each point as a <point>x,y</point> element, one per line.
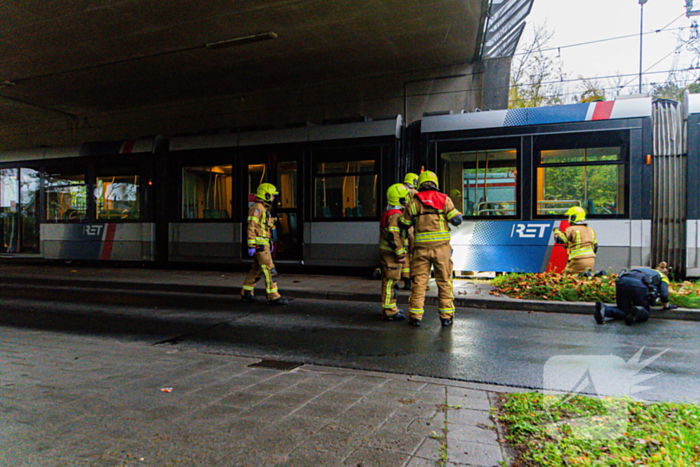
<point>472,453</point>
<point>469,403</point>
<point>469,417</point>
<point>477,434</point>
<point>391,440</point>
<point>375,458</point>
<point>430,449</point>
<point>312,457</point>
<point>336,440</point>
<point>93,401</point>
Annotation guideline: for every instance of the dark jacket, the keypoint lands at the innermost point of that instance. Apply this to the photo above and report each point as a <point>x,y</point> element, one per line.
<point>656,282</point>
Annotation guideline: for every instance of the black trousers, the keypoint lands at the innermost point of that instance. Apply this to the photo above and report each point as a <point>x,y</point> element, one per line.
<point>630,291</point>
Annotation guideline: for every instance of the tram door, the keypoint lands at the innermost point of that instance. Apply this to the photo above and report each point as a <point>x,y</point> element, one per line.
<point>284,174</point>
<point>19,199</point>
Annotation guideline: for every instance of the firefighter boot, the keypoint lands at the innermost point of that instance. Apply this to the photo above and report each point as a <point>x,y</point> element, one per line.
<point>398,316</point>
<point>446,321</point>
<point>414,322</point>
<point>247,296</point>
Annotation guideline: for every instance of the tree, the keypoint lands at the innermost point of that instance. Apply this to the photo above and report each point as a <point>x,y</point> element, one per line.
<point>533,74</point>
<point>592,91</point>
<point>668,90</point>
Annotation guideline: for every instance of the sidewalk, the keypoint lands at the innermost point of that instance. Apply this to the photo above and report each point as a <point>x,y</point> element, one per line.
<point>82,400</point>
<point>467,293</point>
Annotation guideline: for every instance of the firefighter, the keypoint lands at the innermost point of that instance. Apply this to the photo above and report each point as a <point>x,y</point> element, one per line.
<point>428,213</point>
<point>260,246</point>
<point>392,250</point>
<point>410,181</point>
<point>637,291</point>
<point>580,242</point>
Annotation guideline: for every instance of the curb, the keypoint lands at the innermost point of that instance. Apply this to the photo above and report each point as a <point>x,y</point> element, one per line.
<point>581,308</point>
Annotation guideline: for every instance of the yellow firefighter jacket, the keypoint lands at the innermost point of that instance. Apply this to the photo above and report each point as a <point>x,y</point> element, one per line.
<point>429,212</point>
<point>260,224</point>
<point>390,239</point>
<point>579,240</point>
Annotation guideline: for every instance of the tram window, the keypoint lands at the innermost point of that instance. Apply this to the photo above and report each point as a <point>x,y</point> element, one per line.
<point>593,178</point>
<point>207,192</point>
<point>117,197</point>
<point>482,183</point>
<point>66,197</point>
<point>287,185</point>
<point>257,175</point>
<point>345,189</point>
<point>567,156</point>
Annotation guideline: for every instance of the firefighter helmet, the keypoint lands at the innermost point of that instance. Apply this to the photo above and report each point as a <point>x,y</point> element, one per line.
<point>266,191</point>
<point>411,179</point>
<point>397,195</point>
<point>576,215</point>
<point>428,176</point>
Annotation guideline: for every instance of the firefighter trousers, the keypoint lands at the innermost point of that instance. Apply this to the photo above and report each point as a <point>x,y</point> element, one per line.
<point>391,275</point>
<point>579,265</point>
<point>406,267</point>
<point>262,266</point>
<point>440,258</point>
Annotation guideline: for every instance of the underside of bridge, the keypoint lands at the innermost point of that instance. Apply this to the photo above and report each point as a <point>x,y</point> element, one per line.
<point>112,69</point>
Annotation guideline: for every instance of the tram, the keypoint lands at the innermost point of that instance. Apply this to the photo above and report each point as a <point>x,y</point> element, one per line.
<point>629,163</point>
<point>514,173</point>
<point>187,199</point>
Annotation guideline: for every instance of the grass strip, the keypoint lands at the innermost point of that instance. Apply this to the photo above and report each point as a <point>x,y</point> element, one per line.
<point>579,430</point>
<point>573,288</point>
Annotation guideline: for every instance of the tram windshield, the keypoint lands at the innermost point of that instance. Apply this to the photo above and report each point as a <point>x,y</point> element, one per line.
<point>482,183</point>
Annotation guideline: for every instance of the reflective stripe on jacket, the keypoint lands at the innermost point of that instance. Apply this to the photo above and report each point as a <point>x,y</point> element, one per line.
<point>260,224</point>
<point>428,213</point>
<point>579,240</point>
<point>390,239</point>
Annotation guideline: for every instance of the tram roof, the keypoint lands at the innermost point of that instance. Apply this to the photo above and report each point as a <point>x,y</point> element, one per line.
<point>388,127</point>
<point>607,110</point>
<point>143,145</point>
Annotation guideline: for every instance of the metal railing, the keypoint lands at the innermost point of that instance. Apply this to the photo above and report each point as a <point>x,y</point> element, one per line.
<point>556,206</point>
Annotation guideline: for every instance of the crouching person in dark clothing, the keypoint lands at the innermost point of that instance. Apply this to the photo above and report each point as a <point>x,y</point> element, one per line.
<point>637,291</point>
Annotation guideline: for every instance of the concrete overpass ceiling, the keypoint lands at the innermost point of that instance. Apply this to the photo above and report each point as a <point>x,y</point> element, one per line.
<point>97,56</point>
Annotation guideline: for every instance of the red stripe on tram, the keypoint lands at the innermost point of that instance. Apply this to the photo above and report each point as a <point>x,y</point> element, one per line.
<point>108,242</point>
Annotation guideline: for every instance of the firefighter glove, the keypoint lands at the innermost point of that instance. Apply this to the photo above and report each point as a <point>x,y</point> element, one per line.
<point>251,251</point>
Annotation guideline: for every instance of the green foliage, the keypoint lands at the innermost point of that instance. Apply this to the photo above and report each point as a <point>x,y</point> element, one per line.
<point>573,288</point>
<point>595,183</point>
<point>662,434</point>
<point>668,91</point>
<point>592,91</point>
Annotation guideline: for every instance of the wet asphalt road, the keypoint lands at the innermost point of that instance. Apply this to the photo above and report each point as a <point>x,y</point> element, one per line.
<point>531,350</point>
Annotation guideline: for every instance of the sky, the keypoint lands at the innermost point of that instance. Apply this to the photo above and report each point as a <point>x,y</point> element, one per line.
<point>576,22</point>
